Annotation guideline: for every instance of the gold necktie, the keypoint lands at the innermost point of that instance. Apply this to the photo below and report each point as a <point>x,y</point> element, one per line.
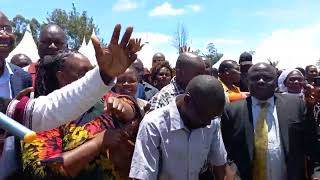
<point>261,144</point>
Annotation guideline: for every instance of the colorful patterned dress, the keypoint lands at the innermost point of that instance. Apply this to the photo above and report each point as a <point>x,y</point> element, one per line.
<point>41,159</point>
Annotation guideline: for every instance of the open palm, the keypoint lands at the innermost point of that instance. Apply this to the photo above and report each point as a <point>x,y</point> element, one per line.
<point>116,58</point>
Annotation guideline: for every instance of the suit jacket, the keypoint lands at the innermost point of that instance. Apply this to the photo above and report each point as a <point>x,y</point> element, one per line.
<point>19,80</point>
<point>296,130</point>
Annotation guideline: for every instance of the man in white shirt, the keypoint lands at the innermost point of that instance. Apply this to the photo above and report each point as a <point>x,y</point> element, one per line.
<point>175,142</point>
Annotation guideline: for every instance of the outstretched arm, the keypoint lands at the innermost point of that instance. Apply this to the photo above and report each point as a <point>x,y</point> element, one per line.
<point>69,102</point>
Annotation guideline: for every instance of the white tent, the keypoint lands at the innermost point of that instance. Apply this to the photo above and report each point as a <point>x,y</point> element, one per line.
<point>83,46</point>
<point>88,50</point>
<point>26,46</point>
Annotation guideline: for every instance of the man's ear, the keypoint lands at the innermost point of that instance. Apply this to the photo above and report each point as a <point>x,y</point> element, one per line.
<point>155,82</point>
<point>187,98</point>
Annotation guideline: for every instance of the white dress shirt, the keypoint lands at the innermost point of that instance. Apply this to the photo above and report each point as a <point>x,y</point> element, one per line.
<point>65,104</point>
<point>165,149</point>
<point>276,166</point>
<point>5,86</point>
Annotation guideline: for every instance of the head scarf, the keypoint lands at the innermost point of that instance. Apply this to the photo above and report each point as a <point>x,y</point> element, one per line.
<point>282,78</point>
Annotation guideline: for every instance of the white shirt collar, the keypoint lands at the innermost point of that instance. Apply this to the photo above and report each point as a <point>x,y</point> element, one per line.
<point>176,121</point>
<point>255,101</point>
<point>9,68</point>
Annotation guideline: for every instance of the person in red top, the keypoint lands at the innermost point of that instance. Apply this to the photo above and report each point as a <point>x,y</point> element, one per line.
<point>52,39</point>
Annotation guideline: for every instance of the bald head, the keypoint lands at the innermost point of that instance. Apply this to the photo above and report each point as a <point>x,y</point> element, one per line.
<point>52,39</point>
<point>52,28</point>
<point>189,59</point>
<point>3,16</point>
<point>158,57</point>
<point>262,79</point>
<point>207,89</point>
<point>203,101</point>
<point>263,66</point>
<point>188,66</point>
<point>21,60</point>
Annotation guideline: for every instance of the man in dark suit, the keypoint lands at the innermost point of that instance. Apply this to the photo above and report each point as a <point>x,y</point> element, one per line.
<point>268,135</point>
<point>19,80</point>
<point>12,78</point>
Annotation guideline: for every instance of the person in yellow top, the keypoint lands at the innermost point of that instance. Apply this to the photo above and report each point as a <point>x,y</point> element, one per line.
<point>229,75</point>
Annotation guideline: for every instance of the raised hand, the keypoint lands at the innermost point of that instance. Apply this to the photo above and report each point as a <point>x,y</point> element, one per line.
<point>116,58</point>
<point>136,46</point>
<point>185,49</point>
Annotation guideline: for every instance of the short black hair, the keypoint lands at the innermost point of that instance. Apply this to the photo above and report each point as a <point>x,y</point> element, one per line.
<point>308,67</point>
<point>301,70</point>
<point>155,69</point>
<point>226,65</point>
<point>206,88</point>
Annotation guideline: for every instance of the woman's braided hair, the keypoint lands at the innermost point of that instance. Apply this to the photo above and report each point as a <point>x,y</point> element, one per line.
<point>46,80</point>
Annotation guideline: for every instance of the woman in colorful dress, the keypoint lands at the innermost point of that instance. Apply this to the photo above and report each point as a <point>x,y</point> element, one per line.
<point>88,147</point>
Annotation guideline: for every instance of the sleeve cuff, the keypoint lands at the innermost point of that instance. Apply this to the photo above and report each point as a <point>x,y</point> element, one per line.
<point>99,78</point>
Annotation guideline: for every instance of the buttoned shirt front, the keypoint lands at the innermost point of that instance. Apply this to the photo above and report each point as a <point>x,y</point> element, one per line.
<point>276,166</point>
<point>167,150</point>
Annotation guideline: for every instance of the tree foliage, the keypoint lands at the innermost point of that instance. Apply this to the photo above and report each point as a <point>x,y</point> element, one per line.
<point>75,24</point>
<point>212,53</point>
<point>180,37</point>
<point>273,63</point>
<point>20,24</point>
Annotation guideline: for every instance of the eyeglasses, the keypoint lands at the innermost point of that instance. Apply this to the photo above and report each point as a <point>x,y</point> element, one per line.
<point>7,29</point>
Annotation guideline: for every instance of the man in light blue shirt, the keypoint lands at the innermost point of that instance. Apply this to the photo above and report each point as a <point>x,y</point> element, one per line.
<point>175,142</point>
<point>13,79</point>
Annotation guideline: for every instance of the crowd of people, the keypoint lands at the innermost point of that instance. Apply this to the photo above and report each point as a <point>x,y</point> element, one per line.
<point>119,120</point>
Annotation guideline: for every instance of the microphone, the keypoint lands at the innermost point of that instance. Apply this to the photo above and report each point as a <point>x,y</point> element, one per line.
<point>16,129</point>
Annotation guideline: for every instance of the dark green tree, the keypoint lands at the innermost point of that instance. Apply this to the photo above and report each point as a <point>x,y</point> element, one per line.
<point>75,24</point>
<point>273,62</point>
<point>20,24</point>
<point>212,53</point>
